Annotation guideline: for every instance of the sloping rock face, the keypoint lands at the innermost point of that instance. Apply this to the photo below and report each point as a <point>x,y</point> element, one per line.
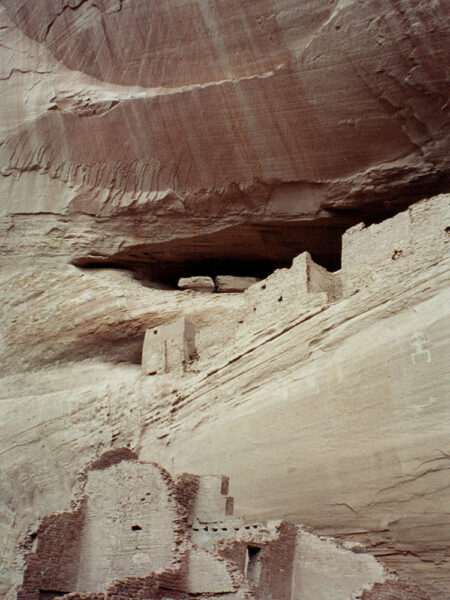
<point>146,141</point>
<point>323,394</point>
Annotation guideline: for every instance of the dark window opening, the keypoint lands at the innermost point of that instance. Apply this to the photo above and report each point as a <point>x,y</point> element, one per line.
<point>136,527</point>
<point>253,565</point>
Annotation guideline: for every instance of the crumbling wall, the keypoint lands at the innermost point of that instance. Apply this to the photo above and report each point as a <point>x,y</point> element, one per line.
<point>287,293</point>
<point>170,347</point>
<point>417,237</point>
<point>370,256</point>
<point>322,564</point>
<point>130,526</point>
<point>212,501</point>
<point>134,532</point>
<point>53,556</point>
<point>209,573</point>
<point>127,537</point>
<point>262,553</point>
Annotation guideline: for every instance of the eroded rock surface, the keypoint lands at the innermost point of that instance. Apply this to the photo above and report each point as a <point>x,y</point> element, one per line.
<point>270,122</point>
<point>229,283</point>
<point>141,142</point>
<point>322,394</point>
<point>197,284</point>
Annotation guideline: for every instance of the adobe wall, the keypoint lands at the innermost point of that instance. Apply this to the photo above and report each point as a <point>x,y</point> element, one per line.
<point>219,561</point>
<point>137,533</point>
<point>370,256</point>
<point>294,563</point>
<point>130,525</point>
<point>53,555</point>
<point>287,293</point>
<point>416,237</point>
<point>212,501</point>
<point>263,553</point>
<point>374,256</point>
<point>170,347</point>
<point>321,565</point>
<point>127,537</point>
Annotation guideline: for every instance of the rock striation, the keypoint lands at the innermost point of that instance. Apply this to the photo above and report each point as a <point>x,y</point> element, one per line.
<point>252,133</point>
<point>338,419</point>
<point>303,144</point>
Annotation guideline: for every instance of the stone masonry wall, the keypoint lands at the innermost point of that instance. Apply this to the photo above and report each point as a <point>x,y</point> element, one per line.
<point>131,530</point>
<point>376,254</point>
<point>135,533</point>
<point>169,347</point>
<point>127,537</point>
<point>287,293</point>
<point>53,561</point>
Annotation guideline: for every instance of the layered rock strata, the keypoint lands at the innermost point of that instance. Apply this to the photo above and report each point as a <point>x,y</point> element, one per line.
<point>141,142</point>
<point>270,122</point>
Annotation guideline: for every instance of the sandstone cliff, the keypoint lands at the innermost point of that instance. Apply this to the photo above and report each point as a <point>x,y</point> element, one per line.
<point>145,141</point>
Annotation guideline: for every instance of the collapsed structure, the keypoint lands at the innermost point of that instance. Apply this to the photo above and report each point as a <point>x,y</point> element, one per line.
<point>135,532</point>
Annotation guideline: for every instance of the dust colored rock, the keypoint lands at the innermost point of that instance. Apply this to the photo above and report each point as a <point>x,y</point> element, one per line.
<point>287,162</point>
<point>144,141</point>
<point>170,347</point>
<point>197,284</point>
<point>342,358</point>
<point>229,283</point>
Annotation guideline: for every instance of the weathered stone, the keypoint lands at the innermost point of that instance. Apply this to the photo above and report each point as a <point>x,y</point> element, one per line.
<point>286,164</point>
<point>229,283</point>
<point>170,347</point>
<point>212,501</point>
<point>199,283</point>
<point>321,364</point>
<point>134,531</point>
<point>167,138</point>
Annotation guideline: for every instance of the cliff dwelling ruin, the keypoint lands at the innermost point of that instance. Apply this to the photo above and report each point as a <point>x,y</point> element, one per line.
<point>224,276</point>
<point>187,544</point>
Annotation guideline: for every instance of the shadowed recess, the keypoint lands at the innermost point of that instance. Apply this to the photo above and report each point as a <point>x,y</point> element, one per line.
<point>247,250</point>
